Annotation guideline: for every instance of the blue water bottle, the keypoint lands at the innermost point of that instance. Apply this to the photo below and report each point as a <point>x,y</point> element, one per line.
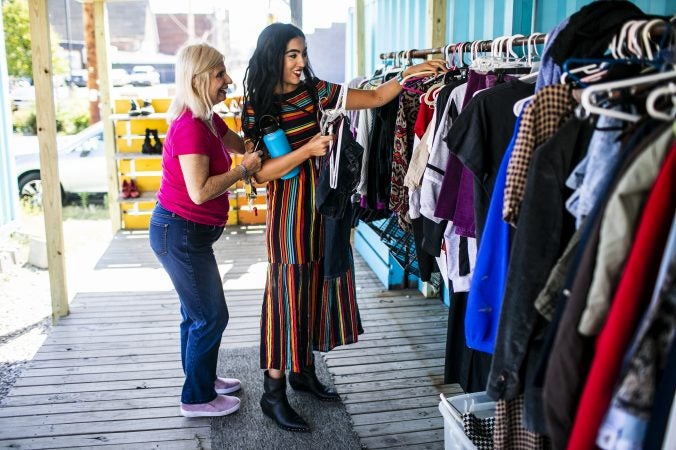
<point>276,142</point>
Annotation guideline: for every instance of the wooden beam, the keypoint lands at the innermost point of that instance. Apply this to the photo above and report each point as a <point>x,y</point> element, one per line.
<point>49,169</point>
<point>359,41</point>
<point>89,31</point>
<point>106,109</point>
<point>436,23</point>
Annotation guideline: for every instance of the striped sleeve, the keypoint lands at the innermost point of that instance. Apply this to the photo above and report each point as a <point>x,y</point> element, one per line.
<point>328,93</point>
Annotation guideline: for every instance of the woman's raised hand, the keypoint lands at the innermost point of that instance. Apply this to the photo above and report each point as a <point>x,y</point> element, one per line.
<point>318,145</point>
<point>252,161</point>
<point>435,65</point>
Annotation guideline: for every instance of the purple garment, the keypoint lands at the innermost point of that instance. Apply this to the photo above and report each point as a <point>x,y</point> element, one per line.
<point>456,197</point>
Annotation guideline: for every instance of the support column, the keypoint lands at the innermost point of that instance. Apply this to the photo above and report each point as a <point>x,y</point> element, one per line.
<point>49,168</point>
<point>106,107</point>
<point>359,41</point>
<point>436,23</point>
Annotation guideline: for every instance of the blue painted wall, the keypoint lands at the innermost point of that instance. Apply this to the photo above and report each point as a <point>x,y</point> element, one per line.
<point>392,25</point>
<point>8,188</point>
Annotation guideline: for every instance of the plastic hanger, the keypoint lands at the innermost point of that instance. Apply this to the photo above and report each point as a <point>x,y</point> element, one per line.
<point>670,90</point>
<point>590,95</point>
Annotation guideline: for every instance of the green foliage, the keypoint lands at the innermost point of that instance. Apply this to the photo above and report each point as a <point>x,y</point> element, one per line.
<point>16,22</point>
<point>72,116</point>
<point>24,121</point>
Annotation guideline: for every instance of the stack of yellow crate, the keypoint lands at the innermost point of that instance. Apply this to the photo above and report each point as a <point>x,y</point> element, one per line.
<point>146,169</point>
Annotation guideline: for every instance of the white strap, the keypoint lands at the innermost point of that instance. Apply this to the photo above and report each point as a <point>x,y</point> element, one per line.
<point>334,159</point>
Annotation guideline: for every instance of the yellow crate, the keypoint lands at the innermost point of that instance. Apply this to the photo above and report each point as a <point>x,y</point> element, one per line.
<point>133,145</point>
<point>126,166</point>
<point>123,105</point>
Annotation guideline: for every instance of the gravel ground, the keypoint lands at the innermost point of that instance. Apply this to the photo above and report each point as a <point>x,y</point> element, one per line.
<point>25,303</point>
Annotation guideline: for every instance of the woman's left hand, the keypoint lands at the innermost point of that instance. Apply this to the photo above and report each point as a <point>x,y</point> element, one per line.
<point>434,65</point>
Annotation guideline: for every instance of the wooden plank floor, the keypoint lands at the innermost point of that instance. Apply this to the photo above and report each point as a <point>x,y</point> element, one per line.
<point>109,374</point>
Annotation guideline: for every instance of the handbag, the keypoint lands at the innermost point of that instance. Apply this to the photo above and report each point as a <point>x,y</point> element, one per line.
<point>341,167</point>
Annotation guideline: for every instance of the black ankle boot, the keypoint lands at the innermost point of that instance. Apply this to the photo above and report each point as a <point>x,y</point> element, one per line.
<point>157,146</point>
<point>307,380</point>
<point>147,147</point>
<point>276,406</point>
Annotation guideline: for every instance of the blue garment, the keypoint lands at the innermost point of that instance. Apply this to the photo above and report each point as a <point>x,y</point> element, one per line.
<point>550,72</point>
<point>490,272</point>
<point>590,173</point>
<point>185,249</point>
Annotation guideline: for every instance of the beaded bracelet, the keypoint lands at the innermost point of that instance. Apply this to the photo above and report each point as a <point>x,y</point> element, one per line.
<point>245,173</point>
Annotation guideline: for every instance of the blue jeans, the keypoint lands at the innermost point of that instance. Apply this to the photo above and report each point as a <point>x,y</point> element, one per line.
<point>185,250</point>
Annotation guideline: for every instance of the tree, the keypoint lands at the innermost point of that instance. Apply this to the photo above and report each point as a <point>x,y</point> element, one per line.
<point>16,20</point>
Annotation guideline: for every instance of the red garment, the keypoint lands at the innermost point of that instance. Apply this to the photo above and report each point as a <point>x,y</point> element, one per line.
<point>631,298</point>
<point>425,113</point>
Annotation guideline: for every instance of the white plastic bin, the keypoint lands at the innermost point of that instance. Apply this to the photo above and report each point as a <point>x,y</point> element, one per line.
<point>452,409</point>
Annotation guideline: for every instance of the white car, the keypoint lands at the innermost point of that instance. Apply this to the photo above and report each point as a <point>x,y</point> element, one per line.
<point>144,76</point>
<point>82,167</point>
<point>119,77</point>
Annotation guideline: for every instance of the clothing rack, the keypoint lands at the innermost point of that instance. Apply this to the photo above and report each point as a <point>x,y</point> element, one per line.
<point>483,46</point>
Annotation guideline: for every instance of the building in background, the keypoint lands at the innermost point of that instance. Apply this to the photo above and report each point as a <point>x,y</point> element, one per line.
<point>326,50</point>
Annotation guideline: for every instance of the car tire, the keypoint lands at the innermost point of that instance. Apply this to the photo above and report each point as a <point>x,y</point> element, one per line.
<point>30,190</point>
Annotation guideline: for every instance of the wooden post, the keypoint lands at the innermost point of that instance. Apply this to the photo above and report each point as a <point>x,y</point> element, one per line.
<point>106,108</point>
<point>359,41</point>
<point>89,25</point>
<point>49,169</point>
<point>436,23</point>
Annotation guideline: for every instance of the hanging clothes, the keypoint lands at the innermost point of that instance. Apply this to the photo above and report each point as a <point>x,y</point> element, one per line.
<point>490,275</point>
<point>480,136</point>
<point>617,231</point>
<point>639,276</point>
<point>572,352</point>
<point>545,114</point>
<point>629,415</point>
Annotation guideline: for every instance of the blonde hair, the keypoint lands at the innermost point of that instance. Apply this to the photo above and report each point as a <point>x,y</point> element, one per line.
<point>193,64</point>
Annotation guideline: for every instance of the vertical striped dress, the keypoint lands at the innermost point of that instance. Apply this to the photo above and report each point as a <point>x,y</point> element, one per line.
<point>302,311</point>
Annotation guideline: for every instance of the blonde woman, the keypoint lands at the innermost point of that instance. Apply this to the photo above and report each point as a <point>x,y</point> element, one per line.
<point>191,211</point>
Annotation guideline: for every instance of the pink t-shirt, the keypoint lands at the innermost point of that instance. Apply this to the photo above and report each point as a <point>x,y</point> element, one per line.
<point>187,136</point>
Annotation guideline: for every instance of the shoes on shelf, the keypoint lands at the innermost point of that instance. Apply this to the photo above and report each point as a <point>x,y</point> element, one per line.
<point>147,108</point>
<point>134,109</point>
<point>126,189</point>
<point>157,145</point>
<point>235,108</point>
<point>221,108</point>
<point>133,189</point>
<point>147,147</point>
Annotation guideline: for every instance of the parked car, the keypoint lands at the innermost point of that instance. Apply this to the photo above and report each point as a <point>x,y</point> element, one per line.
<point>144,76</point>
<point>78,78</point>
<point>82,167</point>
<point>119,77</point>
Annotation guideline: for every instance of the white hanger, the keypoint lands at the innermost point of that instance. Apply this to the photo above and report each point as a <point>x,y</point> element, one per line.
<point>589,95</point>
<point>648,45</point>
<point>669,89</point>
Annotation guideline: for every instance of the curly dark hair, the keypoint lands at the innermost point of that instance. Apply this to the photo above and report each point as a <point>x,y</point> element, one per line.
<point>265,71</point>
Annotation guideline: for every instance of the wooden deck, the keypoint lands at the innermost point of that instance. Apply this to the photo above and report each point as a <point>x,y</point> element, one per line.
<point>109,374</point>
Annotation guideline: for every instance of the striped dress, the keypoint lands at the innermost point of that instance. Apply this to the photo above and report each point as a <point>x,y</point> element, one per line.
<point>302,311</point>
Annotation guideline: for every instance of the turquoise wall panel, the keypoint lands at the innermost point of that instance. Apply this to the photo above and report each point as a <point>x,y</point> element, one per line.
<point>393,25</point>
<point>549,13</point>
